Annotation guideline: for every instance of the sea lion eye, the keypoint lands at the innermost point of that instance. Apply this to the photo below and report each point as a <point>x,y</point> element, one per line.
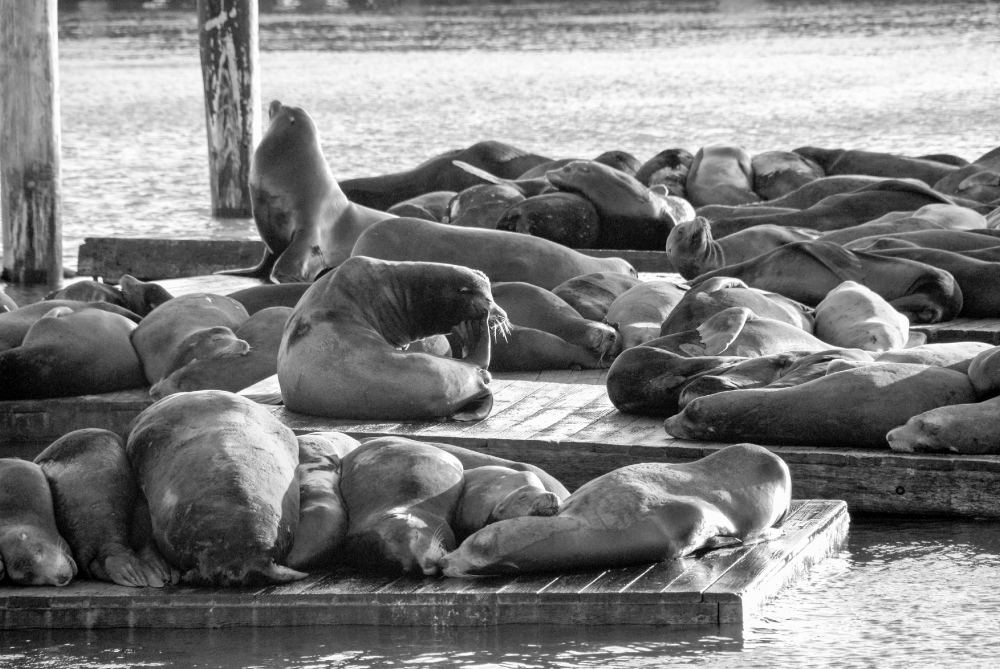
<point>465,289</point>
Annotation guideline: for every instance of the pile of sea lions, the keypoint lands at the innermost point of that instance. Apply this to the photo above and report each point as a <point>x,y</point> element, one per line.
<point>208,488</point>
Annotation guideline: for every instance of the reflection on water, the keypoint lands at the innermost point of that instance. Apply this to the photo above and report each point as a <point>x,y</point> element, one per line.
<point>902,592</point>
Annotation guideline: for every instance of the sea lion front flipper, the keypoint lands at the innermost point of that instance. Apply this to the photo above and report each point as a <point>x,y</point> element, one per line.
<point>482,174</point>
<point>722,329</point>
<point>125,569</point>
<point>841,262</point>
<point>261,271</point>
<point>477,408</point>
<point>301,261</point>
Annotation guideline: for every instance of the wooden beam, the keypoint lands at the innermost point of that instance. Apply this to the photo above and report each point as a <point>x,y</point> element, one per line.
<point>229,54</point>
<point>30,142</point>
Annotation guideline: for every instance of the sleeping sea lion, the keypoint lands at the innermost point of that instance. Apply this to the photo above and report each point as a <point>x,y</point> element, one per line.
<point>638,312</point>
<point>482,206</point>
<point>493,493</point>
<point>957,241</point>
<point>640,513</point>
<point>530,350</point>
<point>340,356</point>
<point>969,429</point>
<point>592,294</point>
<point>668,168</point>
<point>563,218</point>
<point>979,180</point>
<point>14,325</point>
<point>778,173</point>
<point>872,163</point>
<point>809,194</point>
<point>429,206</point>
<point>721,174</point>
<point>876,229</point>
<point>256,298</point>
<point>853,316</point>
<point>953,355</point>
<point>711,296</point>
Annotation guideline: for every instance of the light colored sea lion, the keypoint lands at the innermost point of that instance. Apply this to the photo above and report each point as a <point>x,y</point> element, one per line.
<point>711,296</point>
<point>219,473</point>
<point>303,217</point>
<point>322,527</point>
<point>236,367</point>
<point>592,294</point>
<point>563,218</point>
<point>668,168</point>
<point>440,173</point>
<point>956,241</point>
<point>807,271</point>
<point>872,163</point>
<point>638,312</point>
<point>692,250</point>
<point>502,256</point>
<point>640,513</point>
<point>340,356</point>
<point>984,372</point>
<point>953,355</point>
<point>530,350</point>
<point>482,206</point>
<point>969,429</point>
<point>94,492</point>
<point>71,353</point>
<point>852,408</point>
<point>180,330</point>
<point>721,174</point>
<point>533,307</point>
<point>14,325</point>
<point>778,173</point>
<point>814,191</point>
<point>256,298</point>
<point>31,550</point>
<point>401,497</point>
<point>429,206</point>
<point>853,316</point>
<point>493,493</point>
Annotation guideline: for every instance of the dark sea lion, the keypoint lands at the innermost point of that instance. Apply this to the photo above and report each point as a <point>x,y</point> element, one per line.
<point>538,171</point>
<point>969,429</point>
<point>322,527</point>
<point>953,355</point>
<point>94,491</point>
<point>854,316</point>
<point>876,229</point>
<point>14,325</point>
<point>710,297</point>
<point>439,173</point>
<point>186,327</point>
<point>340,356</point>
<point>852,408</point>
<point>640,513</point>
<point>563,218</point>
<point>872,163</point>
<point>631,216</point>
<point>693,251</point>
<point>984,372</point>
<point>304,219</point>
<point>429,206</point>
<point>31,550</point>
<point>623,161</point>
<point>72,353</point>
<point>957,241</point>
<point>256,298</point>
<point>533,307</point>
<point>530,350</point>
<point>988,189</point>
<point>219,473</point>
<point>814,191</point>
<point>982,186</point>
<point>807,271</point>
<point>721,174</point>
<point>482,206</point>
<point>235,367</point>
<point>638,312</point>
<point>592,294</point>
<point>778,173</point>
<point>502,256</point>
<point>493,493</point>
<point>723,212</point>
<point>669,168</point>
<point>401,497</point>
<point>89,291</point>
<point>141,297</point>
<point>946,158</point>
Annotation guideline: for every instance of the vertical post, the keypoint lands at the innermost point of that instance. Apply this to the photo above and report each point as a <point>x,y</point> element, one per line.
<point>228,38</point>
<point>30,142</point>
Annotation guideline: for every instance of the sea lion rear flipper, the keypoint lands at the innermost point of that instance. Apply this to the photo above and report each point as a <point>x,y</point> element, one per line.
<point>261,271</point>
<point>477,408</point>
<point>841,262</point>
<point>482,174</point>
<point>719,331</point>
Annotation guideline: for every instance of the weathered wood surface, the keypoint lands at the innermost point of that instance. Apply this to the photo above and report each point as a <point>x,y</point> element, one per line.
<point>30,143</point>
<point>231,77</point>
<point>575,433</point>
<point>726,585</point>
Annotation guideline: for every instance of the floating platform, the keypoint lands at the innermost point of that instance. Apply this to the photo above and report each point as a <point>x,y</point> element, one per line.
<point>722,586</point>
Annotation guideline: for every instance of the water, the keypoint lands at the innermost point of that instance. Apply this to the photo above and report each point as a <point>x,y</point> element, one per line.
<point>390,89</point>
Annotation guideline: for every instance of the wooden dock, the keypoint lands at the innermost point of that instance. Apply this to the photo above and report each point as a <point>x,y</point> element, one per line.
<point>723,586</point>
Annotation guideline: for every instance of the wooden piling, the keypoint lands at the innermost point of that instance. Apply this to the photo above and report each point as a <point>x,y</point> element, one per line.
<point>229,56</point>
<point>30,142</point>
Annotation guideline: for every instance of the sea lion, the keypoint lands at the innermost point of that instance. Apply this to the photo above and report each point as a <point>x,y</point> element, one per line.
<point>592,294</point>
<point>94,491</point>
<point>723,212</point>
<point>623,161</point>
<point>256,298</point>
<point>563,218</point>
<point>692,250</point>
<point>303,217</point>
<point>139,297</point>
<point>197,325</point>
<point>778,173</point>
<point>471,459</point>
<point>493,493</point>
<point>322,527</point>
<point>813,192</point>
<point>219,473</point>
<point>482,206</point>
<point>6,303</point>
<point>339,355</point>
<point>530,350</point>
<point>872,163</point>
<point>968,429</point>
<point>638,312</point>
<point>502,256</point>
<point>984,372</point>
<point>401,497</point>
<point>946,158</point>
<point>853,316</point>
<point>953,355</point>
<point>721,174</point>
<point>807,271</point>
<point>640,513</point>
<point>711,296</point>
<point>956,241</point>
<point>439,173</point>
<point>14,325</point>
<point>89,291</point>
<point>429,206</point>
<point>984,188</point>
<point>31,550</point>
<point>236,367</point>
<point>877,229</point>
<point>819,413</point>
<point>669,168</point>
<point>533,307</point>
<point>71,353</point>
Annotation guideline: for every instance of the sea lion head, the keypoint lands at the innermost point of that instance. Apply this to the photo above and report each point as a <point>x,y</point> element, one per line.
<point>690,247</point>
<point>403,541</point>
<point>214,342</point>
<point>142,297</point>
<point>919,434</point>
<point>31,559</point>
